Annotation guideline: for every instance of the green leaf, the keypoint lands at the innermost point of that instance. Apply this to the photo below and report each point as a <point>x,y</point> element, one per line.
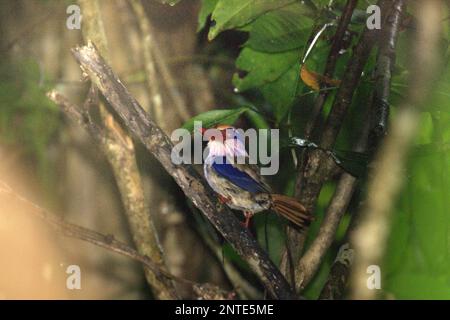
<point>281,30</point>
<point>215,117</point>
<point>418,250</point>
<point>275,234</point>
<point>354,163</point>
<point>207,8</point>
<point>282,92</point>
<point>257,120</point>
<point>262,68</point>
<point>419,286</point>
<point>230,14</point>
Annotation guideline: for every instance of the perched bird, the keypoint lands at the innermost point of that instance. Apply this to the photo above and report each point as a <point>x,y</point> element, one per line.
<point>240,186</point>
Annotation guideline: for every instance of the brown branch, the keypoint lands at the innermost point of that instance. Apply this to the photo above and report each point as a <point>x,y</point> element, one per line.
<point>369,239</point>
<point>137,121</point>
<point>154,57</point>
<point>377,121</point>
<point>148,44</point>
<point>336,284</point>
<point>333,55</point>
<point>311,260</point>
<point>344,96</point>
<point>383,74</point>
<point>119,150</point>
<point>317,167</point>
<point>243,287</point>
<point>108,242</point>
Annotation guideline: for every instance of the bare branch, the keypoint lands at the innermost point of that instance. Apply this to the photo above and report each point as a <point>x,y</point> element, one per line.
<point>108,242</point>
<point>311,260</point>
<point>153,138</point>
<point>317,167</point>
<point>369,239</point>
<point>119,150</point>
<point>333,55</point>
<point>336,284</point>
<point>154,57</point>
<point>148,44</point>
<point>377,122</point>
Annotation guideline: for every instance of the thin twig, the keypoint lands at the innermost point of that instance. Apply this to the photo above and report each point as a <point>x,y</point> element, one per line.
<point>311,260</point>
<point>138,122</point>
<point>120,153</point>
<point>242,286</point>
<point>148,44</point>
<point>153,56</point>
<point>336,283</point>
<point>333,55</point>
<point>317,167</point>
<point>107,242</point>
<point>369,239</point>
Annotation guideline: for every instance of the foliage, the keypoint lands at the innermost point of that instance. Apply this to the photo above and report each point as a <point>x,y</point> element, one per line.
<point>418,257</point>
<point>269,64</point>
<point>28,119</point>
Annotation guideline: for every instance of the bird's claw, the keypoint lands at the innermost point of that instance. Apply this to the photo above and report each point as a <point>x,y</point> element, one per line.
<point>248,216</point>
<point>223,200</point>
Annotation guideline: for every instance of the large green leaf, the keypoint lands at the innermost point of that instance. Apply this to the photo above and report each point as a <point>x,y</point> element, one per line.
<point>257,119</point>
<point>418,253</point>
<point>207,8</point>
<point>230,14</point>
<point>270,225</point>
<point>215,117</point>
<point>281,30</point>
<point>282,92</point>
<point>262,67</point>
<point>419,286</point>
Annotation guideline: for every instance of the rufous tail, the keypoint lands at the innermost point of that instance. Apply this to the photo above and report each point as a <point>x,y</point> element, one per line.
<point>291,209</point>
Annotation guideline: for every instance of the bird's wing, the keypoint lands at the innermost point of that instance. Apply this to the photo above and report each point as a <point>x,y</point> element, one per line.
<point>241,176</point>
<point>253,171</point>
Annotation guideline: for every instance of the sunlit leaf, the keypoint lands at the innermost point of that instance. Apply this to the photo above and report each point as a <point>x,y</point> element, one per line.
<point>261,68</point>
<point>230,14</point>
<point>206,9</point>
<point>414,285</point>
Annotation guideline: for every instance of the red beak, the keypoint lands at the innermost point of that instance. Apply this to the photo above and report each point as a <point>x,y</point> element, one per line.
<point>202,130</point>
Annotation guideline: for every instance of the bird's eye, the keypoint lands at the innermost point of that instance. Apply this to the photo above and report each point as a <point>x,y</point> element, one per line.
<point>213,138</point>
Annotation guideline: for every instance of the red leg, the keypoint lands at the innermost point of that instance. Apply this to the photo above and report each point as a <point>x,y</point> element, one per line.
<point>223,200</point>
<point>248,215</point>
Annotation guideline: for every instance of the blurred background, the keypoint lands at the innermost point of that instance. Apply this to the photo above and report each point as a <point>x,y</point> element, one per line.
<point>54,163</point>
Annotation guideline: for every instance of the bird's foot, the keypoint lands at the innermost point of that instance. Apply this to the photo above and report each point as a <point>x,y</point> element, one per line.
<point>248,215</point>
<point>224,200</point>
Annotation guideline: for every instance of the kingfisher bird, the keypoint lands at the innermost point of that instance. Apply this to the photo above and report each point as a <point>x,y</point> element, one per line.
<point>240,186</point>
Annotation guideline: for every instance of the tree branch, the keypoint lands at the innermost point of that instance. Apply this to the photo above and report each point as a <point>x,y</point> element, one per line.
<point>153,138</point>
<point>377,121</point>
<point>317,167</point>
<point>119,150</point>
<point>148,44</point>
<point>333,55</point>
<point>154,57</point>
<point>108,242</point>
<point>369,239</point>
